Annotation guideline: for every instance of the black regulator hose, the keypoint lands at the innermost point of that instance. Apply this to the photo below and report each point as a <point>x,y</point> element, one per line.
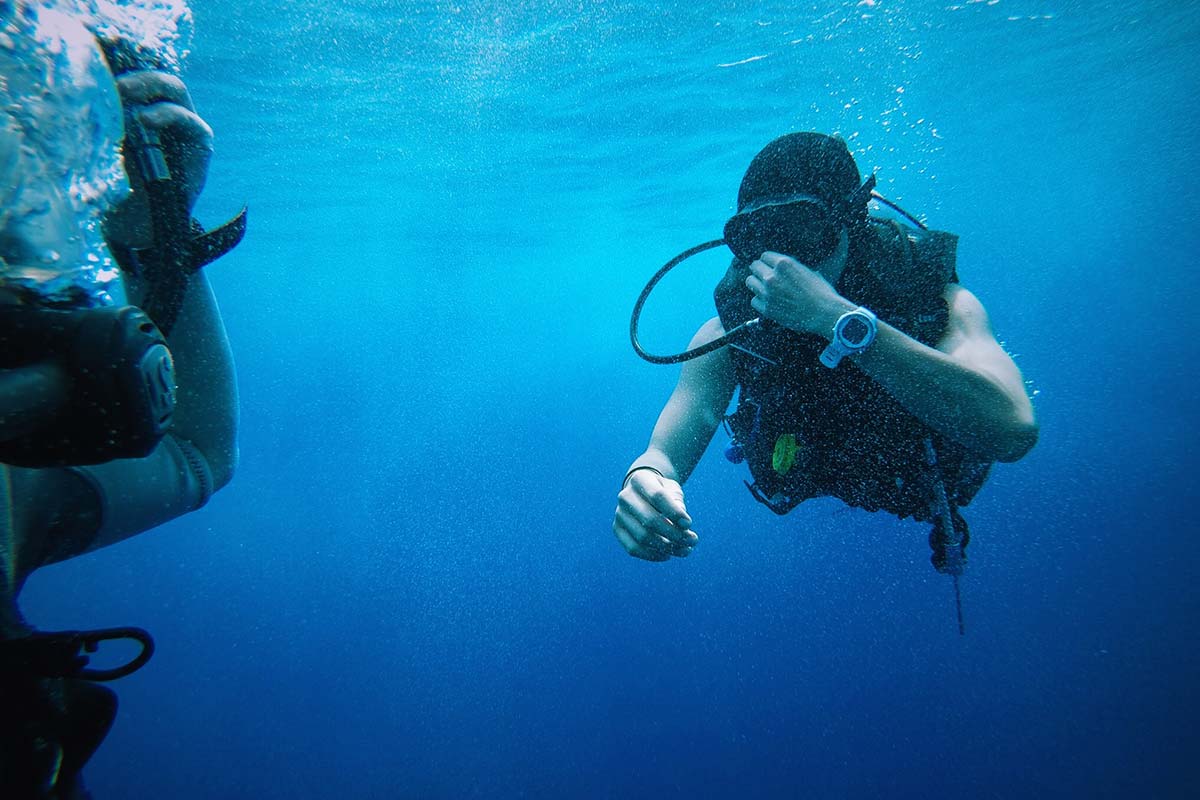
<point>738,332</point>
<point>696,352</point>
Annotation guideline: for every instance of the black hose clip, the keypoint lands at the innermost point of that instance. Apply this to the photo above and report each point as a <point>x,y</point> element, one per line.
<point>63,654</point>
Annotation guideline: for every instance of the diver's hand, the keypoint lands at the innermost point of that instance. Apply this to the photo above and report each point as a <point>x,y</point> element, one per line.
<point>794,295</point>
<point>161,103</point>
<point>651,521</point>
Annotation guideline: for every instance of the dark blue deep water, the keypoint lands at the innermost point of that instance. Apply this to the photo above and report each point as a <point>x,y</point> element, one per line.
<point>411,588</point>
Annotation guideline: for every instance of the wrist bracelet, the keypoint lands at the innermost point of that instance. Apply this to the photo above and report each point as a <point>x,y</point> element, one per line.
<point>629,474</point>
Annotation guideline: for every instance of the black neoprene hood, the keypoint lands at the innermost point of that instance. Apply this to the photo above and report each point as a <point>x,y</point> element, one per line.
<point>801,163</point>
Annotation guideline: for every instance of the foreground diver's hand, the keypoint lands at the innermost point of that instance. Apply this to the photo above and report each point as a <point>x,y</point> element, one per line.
<point>794,295</point>
<point>161,103</point>
<point>652,522</point>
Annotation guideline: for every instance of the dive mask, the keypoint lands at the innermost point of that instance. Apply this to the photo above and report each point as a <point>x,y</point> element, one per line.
<point>799,225</point>
<point>802,226</point>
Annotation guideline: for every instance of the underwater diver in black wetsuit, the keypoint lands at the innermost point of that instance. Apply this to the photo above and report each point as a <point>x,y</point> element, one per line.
<point>112,421</point>
<point>865,371</point>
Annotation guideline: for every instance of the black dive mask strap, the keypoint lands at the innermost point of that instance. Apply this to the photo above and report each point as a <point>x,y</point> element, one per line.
<point>860,196</point>
<point>181,245</point>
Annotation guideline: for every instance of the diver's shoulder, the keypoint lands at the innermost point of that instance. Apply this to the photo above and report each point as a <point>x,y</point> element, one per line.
<point>709,331</point>
<point>962,300</point>
<point>967,314</point>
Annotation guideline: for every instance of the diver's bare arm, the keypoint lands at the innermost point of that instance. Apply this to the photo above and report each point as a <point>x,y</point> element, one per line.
<point>693,412</point>
<point>968,388</point>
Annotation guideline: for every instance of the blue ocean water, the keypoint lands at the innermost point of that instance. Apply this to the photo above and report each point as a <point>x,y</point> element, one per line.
<point>411,588</point>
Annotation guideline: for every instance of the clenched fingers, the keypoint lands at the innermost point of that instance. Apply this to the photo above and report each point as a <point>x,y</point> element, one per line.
<point>627,539</point>
<point>658,528</point>
<point>663,495</point>
<point>651,521</point>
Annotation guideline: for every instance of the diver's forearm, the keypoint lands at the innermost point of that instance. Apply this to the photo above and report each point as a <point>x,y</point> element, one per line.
<point>682,434</point>
<point>138,494</point>
<point>962,404</point>
<point>68,511</point>
<point>694,411</point>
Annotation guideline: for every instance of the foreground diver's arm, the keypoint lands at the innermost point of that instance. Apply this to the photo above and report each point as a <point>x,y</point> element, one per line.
<point>66,512</point>
<point>651,519</point>
<point>69,511</point>
<point>199,455</point>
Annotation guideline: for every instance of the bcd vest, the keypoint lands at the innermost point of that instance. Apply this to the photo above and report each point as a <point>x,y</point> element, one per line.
<point>809,431</point>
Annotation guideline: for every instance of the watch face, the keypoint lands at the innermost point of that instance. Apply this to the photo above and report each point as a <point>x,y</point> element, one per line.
<point>854,331</point>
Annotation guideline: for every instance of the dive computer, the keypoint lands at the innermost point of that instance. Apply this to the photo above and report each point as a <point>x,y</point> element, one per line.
<point>852,333</point>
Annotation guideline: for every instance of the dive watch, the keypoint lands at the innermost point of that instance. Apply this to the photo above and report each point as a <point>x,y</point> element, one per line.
<point>852,333</point>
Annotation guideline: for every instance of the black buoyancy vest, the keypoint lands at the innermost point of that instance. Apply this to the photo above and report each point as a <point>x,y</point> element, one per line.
<point>852,440</point>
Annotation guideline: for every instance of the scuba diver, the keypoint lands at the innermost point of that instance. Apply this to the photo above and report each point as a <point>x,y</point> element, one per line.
<point>864,370</point>
<point>114,417</point>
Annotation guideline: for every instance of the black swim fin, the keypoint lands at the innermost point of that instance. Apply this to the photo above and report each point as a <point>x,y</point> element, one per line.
<point>49,730</point>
